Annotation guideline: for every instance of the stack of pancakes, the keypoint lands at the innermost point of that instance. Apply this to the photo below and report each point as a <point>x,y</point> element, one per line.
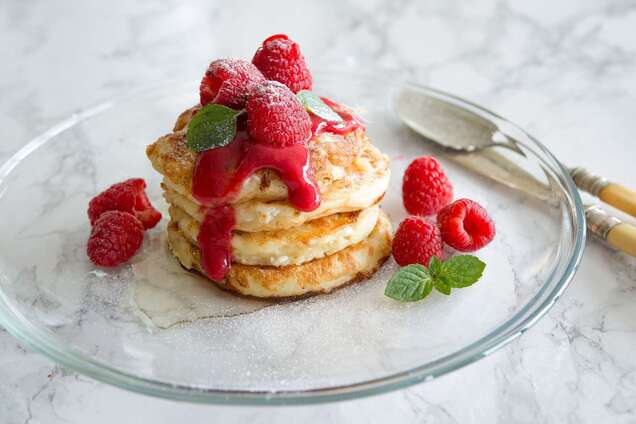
<point>277,250</point>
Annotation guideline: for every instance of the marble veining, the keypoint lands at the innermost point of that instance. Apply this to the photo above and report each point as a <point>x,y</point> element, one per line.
<point>566,71</point>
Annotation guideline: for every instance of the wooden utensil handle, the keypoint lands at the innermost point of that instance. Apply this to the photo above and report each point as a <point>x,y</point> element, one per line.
<point>623,238</point>
<point>620,197</point>
<point>614,194</point>
<point>618,234</point>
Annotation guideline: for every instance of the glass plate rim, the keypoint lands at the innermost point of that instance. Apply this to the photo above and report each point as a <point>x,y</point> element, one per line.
<point>47,344</point>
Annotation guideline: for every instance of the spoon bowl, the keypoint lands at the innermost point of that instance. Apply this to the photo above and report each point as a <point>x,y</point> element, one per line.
<point>448,124</point>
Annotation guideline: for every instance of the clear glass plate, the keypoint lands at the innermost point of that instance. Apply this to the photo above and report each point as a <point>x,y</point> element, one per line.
<point>151,327</point>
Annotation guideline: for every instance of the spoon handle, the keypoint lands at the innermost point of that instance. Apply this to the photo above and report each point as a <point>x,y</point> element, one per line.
<point>620,235</point>
<point>611,193</point>
<point>489,163</point>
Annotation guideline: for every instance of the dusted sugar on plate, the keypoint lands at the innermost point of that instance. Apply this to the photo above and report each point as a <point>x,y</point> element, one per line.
<point>273,190</point>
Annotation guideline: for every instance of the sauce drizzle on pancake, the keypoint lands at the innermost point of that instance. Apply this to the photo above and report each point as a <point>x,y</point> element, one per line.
<point>219,175</point>
<point>215,238</point>
<point>350,122</point>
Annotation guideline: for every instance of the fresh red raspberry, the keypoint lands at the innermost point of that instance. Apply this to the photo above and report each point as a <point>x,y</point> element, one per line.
<point>465,225</point>
<point>227,82</point>
<point>114,239</point>
<point>144,211</point>
<point>128,196</point>
<point>275,116</point>
<point>279,59</point>
<point>118,197</point>
<point>416,241</point>
<point>425,187</point>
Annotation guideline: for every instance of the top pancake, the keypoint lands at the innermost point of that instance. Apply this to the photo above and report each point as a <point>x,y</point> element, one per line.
<point>331,159</point>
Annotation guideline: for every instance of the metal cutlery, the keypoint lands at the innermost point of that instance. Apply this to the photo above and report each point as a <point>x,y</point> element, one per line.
<point>469,140</point>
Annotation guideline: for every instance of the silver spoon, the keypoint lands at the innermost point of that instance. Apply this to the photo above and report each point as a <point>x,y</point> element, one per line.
<point>461,129</point>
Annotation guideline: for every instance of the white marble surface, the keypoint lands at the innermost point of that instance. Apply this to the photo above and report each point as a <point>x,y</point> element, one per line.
<point>566,71</point>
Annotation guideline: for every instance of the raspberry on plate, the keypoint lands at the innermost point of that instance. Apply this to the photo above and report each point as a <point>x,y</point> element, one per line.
<point>144,211</point>
<point>118,197</point>
<point>115,238</point>
<point>275,116</point>
<point>227,82</point>
<point>279,59</point>
<point>425,187</point>
<point>416,241</point>
<point>465,225</point>
<point>128,196</point>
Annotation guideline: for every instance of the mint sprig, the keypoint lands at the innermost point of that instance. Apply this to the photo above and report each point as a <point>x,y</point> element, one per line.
<point>414,282</point>
<point>461,271</point>
<point>211,127</point>
<point>409,284</point>
<point>314,104</point>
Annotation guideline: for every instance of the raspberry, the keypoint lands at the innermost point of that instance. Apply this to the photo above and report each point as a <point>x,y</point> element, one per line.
<point>425,187</point>
<point>416,241</point>
<point>227,82</point>
<point>144,211</point>
<point>275,116</point>
<point>118,197</point>
<point>114,239</point>
<point>465,225</point>
<point>279,59</point>
<point>128,196</point>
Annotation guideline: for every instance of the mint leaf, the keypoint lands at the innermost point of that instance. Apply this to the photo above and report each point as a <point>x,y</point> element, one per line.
<point>461,271</point>
<point>442,286</point>
<point>314,104</point>
<point>435,266</point>
<point>409,284</point>
<point>415,282</point>
<point>211,127</point>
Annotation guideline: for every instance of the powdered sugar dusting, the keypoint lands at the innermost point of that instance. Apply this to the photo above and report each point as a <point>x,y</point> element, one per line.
<point>275,116</point>
<point>227,82</point>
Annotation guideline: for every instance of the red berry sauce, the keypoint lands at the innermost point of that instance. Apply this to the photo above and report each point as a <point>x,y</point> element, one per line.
<point>215,241</point>
<point>350,122</point>
<point>218,177</point>
<point>220,173</point>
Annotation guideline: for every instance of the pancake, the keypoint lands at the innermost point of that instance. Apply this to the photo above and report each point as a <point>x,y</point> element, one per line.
<point>363,185</point>
<point>312,240</point>
<point>355,263</point>
<point>277,250</point>
<point>332,157</point>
